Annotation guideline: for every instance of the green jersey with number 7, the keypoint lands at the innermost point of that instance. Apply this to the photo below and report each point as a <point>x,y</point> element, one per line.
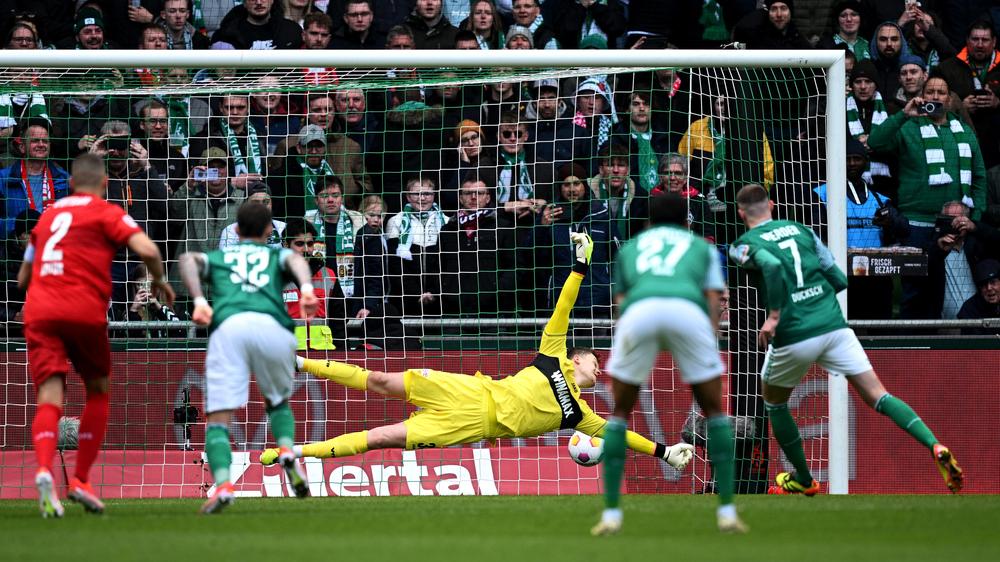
<point>796,274</point>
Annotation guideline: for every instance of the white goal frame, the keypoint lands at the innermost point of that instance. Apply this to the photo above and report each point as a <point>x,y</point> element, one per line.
<point>829,60</point>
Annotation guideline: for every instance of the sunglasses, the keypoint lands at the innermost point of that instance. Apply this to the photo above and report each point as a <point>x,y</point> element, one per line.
<point>510,134</point>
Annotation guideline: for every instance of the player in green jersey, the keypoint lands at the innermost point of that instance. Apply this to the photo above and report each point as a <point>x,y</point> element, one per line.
<point>250,331</point>
<point>799,280</point>
<point>668,285</point>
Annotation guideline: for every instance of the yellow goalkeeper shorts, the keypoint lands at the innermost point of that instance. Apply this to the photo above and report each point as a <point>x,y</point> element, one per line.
<point>455,409</point>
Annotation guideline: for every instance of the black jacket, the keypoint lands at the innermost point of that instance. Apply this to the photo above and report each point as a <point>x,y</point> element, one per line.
<point>283,33</point>
<point>475,269</point>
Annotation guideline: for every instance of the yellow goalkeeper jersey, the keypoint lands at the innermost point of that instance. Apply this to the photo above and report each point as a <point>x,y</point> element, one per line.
<point>544,396</point>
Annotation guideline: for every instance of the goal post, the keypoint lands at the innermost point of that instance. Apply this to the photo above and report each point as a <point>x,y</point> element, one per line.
<point>722,74</point>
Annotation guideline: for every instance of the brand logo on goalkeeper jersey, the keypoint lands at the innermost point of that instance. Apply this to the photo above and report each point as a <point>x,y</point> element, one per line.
<point>563,395</point>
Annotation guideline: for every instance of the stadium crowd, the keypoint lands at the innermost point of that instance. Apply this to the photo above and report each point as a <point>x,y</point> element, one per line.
<point>452,200</point>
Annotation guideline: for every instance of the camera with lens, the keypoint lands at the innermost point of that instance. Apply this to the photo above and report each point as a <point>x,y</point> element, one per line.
<point>882,216</point>
<point>932,108</point>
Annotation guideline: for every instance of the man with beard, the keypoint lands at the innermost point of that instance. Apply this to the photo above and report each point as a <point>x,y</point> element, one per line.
<point>169,163</point>
<point>912,75</point>
<point>258,24</point>
<point>89,28</point>
<point>886,48</point>
<point>974,75</point>
<point>546,111</point>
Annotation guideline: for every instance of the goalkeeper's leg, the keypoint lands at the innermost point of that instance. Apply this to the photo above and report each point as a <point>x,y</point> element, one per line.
<point>352,376</point>
<point>720,452</point>
<point>614,456</point>
<point>384,437</point>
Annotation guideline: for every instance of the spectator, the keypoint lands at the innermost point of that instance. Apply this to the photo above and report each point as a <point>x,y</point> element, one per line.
<point>400,38</point>
<point>580,19</point>
<point>143,306</point>
<point>939,161</point>
<point>36,181</point>
<point>259,193</point>
<point>670,98</point>
<point>358,32</point>
<point>297,10</point>
<point>519,38</point>
<point>874,12</point>
<point>412,146</point>
<point>499,98</point>
<point>207,203</point>
<point>209,17</point>
<point>300,172</point>
<point>372,268</point>
<point>865,109</point>
<point>258,24</point>
<point>233,132</point>
<point>187,113</point>
<point>986,302</point>
<point>22,35</point>
<point>167,159</point>
<point>912,75</point>
<point>300,237</point>
<point>886,50</point>
<point>353,118</point>
<point>459,161</point>
<point>614,187</point>
<point>269,112</point>
<point>593,122</point>
<point>701,143</point>
<point>88,32</point>
<point>336,227</point>
<point>528,13</point>
<point>872,222</point>
<point>643,142</point>
<point>431,30</point>
<point>317,31</point>
<point>974,75</point>
<point>575,211</point>
<point>465,40</point>
<point>925,38</point>
<point>673,172</point>
<point>152,38</point>
<point>412,235</point>
<point>477,254</point>
<point>181,34</point>
<point>950,265</point>
<point>846,16</point>
<point>12,296</point>
<point>778,31</point>
<point>388,13</point>
<point>523,186</point>
<point>486,24</point>
<point>549,113</point>
<point>132,186</point>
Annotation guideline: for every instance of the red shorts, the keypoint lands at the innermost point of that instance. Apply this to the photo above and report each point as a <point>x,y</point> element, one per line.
<point>51,343</point>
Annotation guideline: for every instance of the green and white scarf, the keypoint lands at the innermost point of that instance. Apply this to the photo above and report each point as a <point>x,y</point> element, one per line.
<point>711,21</point>
<point>648,163</point>
<point>715,171</point>
<point>241,165</point>
<point>857,129</point>
<point>34,107</point>
<point>590,26</point>
<point>506,185</point>
<point>343,248</point>
<point>859,47</point>
<point>310,176</point>
<point>179,112</point>
<point>934,154</point>
<point>198,16</point>
<point>406,226</point>
<point>617,204</point>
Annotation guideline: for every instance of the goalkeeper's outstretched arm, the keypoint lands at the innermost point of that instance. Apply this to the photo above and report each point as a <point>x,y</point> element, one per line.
<point>554,337</point>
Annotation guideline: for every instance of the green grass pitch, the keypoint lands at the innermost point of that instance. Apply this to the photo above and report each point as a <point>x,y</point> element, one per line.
<point>513,529</point>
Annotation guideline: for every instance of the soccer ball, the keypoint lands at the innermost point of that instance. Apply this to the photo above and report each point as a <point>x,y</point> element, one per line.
<point>586,450</point>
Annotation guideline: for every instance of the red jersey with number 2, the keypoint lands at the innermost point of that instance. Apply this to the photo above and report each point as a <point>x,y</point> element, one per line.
<point>74,241</point>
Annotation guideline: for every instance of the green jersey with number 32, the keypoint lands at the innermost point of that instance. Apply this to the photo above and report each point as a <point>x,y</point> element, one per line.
<point>796,274</point>
<point>667,261</point>
<point>248,277</point>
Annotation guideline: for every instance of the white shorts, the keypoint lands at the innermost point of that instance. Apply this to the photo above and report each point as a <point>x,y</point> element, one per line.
<point>245,343</point>
<point>838,352</point>
<point>664,324</point>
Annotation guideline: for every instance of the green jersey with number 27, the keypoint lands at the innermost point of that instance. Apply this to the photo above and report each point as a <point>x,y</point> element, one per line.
<point>796,274</point>
<point>248,277</point>
<point>667,261</point>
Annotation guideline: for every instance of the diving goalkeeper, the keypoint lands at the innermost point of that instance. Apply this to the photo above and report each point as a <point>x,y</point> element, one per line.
<point>456,408</point>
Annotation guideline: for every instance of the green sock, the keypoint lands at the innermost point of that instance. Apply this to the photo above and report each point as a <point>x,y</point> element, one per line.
<point>218,451</point>
<point>787,434</point>
<point>721,454</point>
<point>904,416</point>
<point>614,461</point>
<point>282,424</point>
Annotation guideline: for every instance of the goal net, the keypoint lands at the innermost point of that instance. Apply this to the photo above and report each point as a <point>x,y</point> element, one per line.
<point>434,198</point>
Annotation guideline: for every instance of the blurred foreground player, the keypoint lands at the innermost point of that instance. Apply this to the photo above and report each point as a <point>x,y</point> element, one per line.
<point>668,285</point>
<point>69,261</point>
<point>250,332</point>
<point>456,408</point>
<point>797,275</point>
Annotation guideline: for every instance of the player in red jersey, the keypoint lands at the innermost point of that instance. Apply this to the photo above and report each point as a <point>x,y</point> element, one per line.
<point>67,273</point>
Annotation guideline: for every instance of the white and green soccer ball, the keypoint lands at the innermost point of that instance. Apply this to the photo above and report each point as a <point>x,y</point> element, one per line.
<point>586,450</point>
